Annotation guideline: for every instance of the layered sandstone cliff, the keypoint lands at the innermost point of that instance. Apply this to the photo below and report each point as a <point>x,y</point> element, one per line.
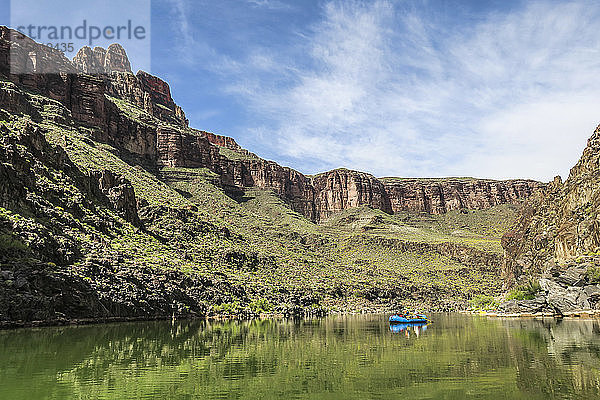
<point>341,189</point>
<point>438,196</point>
<point>137,115</point>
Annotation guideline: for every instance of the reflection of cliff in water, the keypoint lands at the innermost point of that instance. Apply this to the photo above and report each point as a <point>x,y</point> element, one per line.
<point>557,354</point>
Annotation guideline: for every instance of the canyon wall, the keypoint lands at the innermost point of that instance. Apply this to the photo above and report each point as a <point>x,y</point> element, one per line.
<point>438,196</point>
<point>137,115</point>
<point>560,223</point>
<point>341,189</point>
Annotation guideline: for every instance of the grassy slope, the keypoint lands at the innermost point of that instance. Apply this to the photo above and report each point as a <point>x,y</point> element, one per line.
<point>346,263</point>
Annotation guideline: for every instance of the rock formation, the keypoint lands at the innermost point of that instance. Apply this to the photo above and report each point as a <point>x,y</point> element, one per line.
<point>69,249</point>
<point>119,194</point>
<point>137,115</point>
<point>556,241</point>
<point>341,189</point>
<point>438,196</point>
<point>102,61</point>
<point>559,223</point>
<point>561,291</point>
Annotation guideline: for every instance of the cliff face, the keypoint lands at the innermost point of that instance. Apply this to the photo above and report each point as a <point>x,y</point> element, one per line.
<point>341,189</point>
<point>137,114</point>
<point>560,223</point>
<point>438,196</point>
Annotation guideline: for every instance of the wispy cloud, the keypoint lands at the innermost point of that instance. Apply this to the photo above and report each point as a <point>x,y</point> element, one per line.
<point>396,89</point>
<point>271,4</point>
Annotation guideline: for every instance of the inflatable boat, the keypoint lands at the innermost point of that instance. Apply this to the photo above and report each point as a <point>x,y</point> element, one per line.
<point>410,319</point>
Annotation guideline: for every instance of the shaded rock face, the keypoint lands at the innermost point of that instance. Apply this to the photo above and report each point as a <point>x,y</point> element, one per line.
<point>84,95</point>
<point>559,223</point>
<point>441,196</point>
<point>127,134</point>
<point>178,149</point>
<point>148,93</point>
<point>160,94</point>
<point>183,149</point>
<point>15,171</point>
<point>20,55</point>
<point>50,73</point>
<point>119,193</point>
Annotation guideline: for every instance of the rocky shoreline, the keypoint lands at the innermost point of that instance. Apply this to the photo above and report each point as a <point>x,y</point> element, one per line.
<point>582,314</point>
<point>570,290</point>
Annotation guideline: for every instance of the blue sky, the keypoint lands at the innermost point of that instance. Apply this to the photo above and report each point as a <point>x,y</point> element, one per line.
<point>496,89</point>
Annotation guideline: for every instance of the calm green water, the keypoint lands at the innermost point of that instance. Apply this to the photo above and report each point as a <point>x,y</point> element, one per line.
<point>339,357</point>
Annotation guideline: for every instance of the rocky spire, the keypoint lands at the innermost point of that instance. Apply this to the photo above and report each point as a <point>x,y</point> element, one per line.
<point>102,61</point>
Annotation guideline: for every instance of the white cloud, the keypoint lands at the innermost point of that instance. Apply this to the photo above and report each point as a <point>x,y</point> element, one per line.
<point>388,88</point>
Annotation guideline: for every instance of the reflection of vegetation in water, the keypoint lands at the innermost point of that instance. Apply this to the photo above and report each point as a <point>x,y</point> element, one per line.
<point>341,357</point>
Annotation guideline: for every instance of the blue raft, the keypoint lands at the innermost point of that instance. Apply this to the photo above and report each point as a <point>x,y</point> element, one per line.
<point>417,319</point>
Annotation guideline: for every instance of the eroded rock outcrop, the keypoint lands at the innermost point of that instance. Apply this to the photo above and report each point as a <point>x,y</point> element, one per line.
<point>559,223</point>
<point>21,55</point>
<point>562,289</point>
<point>119,193</point>
<point>325,194</point>
<point>90,61</point>
<point>222,141</point>
<point>102,61</point>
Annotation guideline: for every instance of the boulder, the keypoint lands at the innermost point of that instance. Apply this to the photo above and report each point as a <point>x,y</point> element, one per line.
<point>573,276</point>
<point>118,191</point>
<point>510,306</point>
<point>525,306</point>
<point>563,304</point>
<point>532,306</point>
<point>592,291</point>
<point>550,286</point>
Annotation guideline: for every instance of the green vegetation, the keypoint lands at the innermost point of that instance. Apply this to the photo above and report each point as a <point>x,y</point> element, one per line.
<point>593,274</point>
<point>483,302</point>
<point>480,229</point>
<point>527,291</point>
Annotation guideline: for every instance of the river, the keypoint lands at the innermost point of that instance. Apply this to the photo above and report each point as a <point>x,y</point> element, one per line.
<point>338,357</point>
